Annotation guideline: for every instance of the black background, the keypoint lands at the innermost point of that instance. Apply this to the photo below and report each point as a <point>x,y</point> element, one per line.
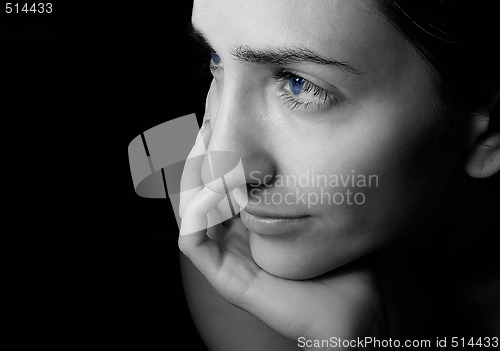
<point>93,263</point>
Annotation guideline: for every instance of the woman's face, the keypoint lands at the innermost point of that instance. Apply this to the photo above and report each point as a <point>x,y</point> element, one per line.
<point>332,112</point>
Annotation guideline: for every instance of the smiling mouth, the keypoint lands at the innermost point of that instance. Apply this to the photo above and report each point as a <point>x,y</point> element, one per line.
<point>272,224</point>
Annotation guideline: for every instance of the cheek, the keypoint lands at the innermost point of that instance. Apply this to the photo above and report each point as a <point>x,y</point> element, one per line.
<point>381,156</point>
<point>396,143</point>
<point>391,147</point>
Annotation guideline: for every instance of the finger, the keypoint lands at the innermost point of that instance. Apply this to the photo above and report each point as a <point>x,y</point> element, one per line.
<point>202,140</point>
<point>241,197</point>
<point>197,209</point>
<point>193,239</point>
<point>191,175</point>
<point>218,232</point>
<point>213,217</point>
<point>191,181</point>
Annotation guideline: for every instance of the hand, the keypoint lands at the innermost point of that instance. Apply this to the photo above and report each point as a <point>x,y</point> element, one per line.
<point>344,303</point>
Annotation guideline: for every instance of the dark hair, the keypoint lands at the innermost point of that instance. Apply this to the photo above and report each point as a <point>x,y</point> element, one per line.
<point>458,40</point>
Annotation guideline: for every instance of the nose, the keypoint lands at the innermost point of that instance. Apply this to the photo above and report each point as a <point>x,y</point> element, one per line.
<point>238,134</point>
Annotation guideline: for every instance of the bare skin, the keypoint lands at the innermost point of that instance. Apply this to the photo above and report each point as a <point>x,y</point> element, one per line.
<point>377,121</point>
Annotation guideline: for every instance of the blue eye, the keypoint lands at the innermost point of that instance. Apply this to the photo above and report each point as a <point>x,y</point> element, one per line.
<point>296,85</point>
<point>301,92</point>
<point>215,58</point>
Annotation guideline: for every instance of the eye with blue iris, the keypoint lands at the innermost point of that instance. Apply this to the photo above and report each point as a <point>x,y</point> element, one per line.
<point>298,92</point>
<point>215,65</point>
<point>296,85</point>
<point>215,58</point>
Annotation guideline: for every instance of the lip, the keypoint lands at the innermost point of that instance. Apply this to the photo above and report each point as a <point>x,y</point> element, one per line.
<point>269,224</point>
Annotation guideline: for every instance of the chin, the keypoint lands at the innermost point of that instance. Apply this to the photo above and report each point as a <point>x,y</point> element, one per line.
<point>283,271</point>
<point>286,259</point>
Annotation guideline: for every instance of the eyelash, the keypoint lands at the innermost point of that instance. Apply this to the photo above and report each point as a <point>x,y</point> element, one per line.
<point>214,68</point>
<point>283,77</point>
<point>324,97</point>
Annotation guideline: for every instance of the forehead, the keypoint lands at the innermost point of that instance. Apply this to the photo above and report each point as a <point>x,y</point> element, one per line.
<point>339,28</point>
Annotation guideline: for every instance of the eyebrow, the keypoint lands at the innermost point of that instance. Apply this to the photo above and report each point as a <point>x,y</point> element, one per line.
<point>275,56</point>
